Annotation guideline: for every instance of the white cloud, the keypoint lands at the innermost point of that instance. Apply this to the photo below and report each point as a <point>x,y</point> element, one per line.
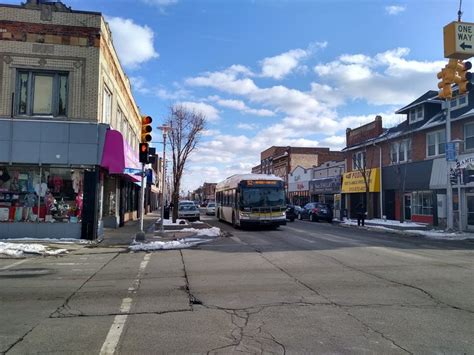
<point>241,106</point>
<point>211,113</point>
<point>281,65</point>
<point>387,78</point>
<point>247,126</point>
<point>394,9</point>
<point>160,2</point>
<point>134,43</point>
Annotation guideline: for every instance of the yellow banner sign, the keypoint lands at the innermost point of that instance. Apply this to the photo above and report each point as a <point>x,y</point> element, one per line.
<point>354,181</point>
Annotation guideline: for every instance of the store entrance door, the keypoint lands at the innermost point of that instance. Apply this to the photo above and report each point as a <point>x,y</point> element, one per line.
<point>470,211</point>
<point>407,207</point>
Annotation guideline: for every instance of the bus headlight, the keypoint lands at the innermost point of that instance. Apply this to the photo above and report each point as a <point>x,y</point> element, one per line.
<point>244,215</point>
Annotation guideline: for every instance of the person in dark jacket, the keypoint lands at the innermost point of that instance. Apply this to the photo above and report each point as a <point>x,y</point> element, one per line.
<point>360,211</point>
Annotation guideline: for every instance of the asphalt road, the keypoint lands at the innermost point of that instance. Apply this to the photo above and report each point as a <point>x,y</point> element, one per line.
<point>305,288</point>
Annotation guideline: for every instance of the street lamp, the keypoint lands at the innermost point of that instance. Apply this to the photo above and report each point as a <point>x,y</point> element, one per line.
<point>164,130</point>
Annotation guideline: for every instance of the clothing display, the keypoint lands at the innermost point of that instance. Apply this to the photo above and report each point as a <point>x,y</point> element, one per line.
<point>30,193</point>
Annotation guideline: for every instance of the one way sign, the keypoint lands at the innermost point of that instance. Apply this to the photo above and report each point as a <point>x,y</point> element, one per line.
<point>459,40</point>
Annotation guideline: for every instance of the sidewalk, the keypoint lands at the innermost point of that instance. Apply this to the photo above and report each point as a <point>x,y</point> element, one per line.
<point>123,236</point>
<point>410,229</point>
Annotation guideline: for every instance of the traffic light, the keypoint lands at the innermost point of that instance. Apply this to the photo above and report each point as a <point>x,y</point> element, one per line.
<point>146,129</point>
<point>463,76</point>
<point>143,153</point>
<point>447,76</point>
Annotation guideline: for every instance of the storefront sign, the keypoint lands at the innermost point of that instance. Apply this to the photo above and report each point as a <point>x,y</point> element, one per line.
<point>298,186</point>
<point>326,185</point>
<point>465,163</point>
<point>354,182</point>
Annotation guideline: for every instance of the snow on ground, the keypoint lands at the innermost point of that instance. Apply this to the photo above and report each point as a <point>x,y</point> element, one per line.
<point>439,234</point>
<point>51,240</point>
<point>382,222</point>
<point>18,250</point>
<point>169,222</point>
<point>205,232</point>
<point>433,233</point>
<point>171,244</point>
<point>198,238</point>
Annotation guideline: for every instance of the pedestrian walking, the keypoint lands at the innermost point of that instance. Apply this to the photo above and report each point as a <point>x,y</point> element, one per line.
<point>360,211</point>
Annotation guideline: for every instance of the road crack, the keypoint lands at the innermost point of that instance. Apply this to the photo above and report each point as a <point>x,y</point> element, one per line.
<point>64,310</point>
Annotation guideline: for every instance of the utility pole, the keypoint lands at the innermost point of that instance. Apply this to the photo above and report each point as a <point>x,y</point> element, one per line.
<point>449,188</point>
<point>165,130</point>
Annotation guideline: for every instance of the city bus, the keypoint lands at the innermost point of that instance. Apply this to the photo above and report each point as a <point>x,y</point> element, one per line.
<point>251,199</point>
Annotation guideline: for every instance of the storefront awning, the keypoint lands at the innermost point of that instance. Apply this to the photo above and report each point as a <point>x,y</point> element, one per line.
<point>353,182</point>
<point>118,155</point>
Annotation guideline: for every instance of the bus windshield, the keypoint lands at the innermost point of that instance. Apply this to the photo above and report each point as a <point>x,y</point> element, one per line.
<point>263,197</point>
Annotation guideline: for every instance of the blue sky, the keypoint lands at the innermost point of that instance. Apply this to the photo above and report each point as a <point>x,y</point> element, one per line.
<point>276,72</point>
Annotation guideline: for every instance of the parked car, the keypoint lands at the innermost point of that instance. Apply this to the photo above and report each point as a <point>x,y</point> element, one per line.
<point>291,213</point>
<point>315,211</point>
<point>188,210</point>
<point>211,209</point>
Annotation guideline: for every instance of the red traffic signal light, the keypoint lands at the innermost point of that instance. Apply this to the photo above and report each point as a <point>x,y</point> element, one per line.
<point>146,129</point>
<point>463,77</point>
<point>143,153</point>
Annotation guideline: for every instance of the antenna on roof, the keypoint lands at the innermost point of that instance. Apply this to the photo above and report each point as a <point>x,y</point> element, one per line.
<point>459,11</point>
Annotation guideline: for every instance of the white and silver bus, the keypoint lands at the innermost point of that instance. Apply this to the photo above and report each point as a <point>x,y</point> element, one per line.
<point>251,199</point>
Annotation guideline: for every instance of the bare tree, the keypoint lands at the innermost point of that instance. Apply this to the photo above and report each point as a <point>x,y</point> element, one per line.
<point>186,127</point>
<point>360,163</point>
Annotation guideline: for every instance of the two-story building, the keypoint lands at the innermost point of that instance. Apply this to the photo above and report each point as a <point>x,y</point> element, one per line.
<point>68,124</point>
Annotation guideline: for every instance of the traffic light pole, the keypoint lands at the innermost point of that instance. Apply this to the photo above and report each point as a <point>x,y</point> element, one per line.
<point>142,198</point>
<point>449,188</point>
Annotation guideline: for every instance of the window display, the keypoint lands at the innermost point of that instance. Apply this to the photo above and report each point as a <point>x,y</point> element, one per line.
<point>40,194</point>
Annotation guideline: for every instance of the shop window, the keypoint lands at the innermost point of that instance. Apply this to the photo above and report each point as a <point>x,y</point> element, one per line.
<point>469,136</point>
<point>42,93</point>
<point>34,194</point>
<point>435,143</point>
<point>422,203</point>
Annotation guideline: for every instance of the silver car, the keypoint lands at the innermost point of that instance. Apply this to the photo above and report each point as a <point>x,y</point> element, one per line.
<point>211,209</point>
<point>188,211</point>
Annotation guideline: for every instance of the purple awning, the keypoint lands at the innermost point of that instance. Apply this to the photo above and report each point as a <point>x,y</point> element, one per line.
<point>118,155</point>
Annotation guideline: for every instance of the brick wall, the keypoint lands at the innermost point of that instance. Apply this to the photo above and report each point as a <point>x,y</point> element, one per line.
<point>359,135</point>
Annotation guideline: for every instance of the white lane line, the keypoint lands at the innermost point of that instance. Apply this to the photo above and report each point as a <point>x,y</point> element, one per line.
<point>14,264</point>
<point>116,329</point>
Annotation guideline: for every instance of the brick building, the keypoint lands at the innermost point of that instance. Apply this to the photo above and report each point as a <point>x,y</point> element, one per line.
<point>409,166</point>
<point>280,161</point>
<point>68,124</point>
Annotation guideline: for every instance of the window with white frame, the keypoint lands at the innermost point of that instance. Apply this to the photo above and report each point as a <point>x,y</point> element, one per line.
<point>422,203</point>
<point>358,161</point>
<point>400,151</point>
<point>458,102</point>
<point>416,114</point>
<point>41,93</point>
<point>435,143</point>
<point>106,105</point>
<point>469,136</point>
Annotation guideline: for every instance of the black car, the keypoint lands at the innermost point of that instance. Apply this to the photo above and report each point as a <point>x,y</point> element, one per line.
<point>315,211</point>
<point>291,213</point>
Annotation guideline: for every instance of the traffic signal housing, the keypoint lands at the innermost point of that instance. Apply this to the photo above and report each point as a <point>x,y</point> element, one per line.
<point>146,129</point>
<point>143,153</point>
<point>447,76</point>
<point>463,77</point>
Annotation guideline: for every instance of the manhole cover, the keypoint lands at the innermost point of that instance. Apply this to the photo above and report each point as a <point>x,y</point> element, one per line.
<point>25,272</point>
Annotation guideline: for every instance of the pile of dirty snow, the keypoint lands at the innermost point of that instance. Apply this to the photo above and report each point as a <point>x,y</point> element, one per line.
<point>18,250</point>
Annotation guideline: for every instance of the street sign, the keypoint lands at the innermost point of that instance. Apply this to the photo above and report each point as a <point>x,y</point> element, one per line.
<point>451,151</point>
<point>131,171</point>
<point>459,40</point>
